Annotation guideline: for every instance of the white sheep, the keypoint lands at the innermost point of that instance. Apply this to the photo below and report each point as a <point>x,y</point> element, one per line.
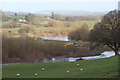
<point>35,74</point>
<point>68,71</point>
<point>18,75</point>
<point>43,69</point>
<point>78,65</point>
<point>81,69</point>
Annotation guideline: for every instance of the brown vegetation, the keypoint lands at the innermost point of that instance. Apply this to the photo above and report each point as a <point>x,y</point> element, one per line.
<point>30,50</point>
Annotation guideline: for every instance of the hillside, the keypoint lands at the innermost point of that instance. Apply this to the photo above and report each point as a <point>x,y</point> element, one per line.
<point>62,12</point>
<point>70,13</point>
<point>42,25</point>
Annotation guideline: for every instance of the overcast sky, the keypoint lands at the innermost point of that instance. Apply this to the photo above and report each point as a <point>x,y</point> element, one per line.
<point>40,5</point>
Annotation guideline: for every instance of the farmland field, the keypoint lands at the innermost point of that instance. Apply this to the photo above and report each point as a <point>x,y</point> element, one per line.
<point>97,68</point>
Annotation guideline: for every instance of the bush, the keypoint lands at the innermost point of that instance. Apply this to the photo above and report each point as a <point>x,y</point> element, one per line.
<point>11,25</point>
<point>51,24</point>
<point>80,34</point>
<point>26,29</point>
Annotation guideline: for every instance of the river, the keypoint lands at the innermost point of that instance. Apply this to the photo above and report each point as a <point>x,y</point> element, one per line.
<point>59,38</point>
<point>105,54</point>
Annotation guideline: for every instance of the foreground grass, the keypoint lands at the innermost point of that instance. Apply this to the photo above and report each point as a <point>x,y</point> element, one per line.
<point>98,68</point>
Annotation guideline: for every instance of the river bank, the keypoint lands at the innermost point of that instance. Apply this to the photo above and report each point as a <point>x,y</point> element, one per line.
<point>32,50</point>
<point>104,54</point>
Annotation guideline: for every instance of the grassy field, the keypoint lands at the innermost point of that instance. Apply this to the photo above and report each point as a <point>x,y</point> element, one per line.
<point>23,17</point>
<point>16,17</point>
<point>47,28</point>
<point>97,68</point>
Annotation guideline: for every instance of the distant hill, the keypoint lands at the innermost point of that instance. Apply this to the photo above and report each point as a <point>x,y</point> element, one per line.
<point>70,13</point>
<point>61,12</point>
<point>12,13</point>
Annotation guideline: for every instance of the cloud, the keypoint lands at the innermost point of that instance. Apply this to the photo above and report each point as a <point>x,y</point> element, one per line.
<point>59,1</point>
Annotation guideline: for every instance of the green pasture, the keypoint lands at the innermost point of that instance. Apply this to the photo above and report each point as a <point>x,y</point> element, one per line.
<point>96,68</point>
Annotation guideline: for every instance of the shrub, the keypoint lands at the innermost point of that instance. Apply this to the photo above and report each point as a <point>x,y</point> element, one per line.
<point>26,29</point>
<point>80,34</point>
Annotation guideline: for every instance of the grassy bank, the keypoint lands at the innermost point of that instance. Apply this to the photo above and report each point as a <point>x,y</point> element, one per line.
<point>98,68</point>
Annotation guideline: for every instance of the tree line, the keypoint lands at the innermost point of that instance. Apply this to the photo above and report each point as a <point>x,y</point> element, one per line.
<point>74,18</point>
<point>106,32</point>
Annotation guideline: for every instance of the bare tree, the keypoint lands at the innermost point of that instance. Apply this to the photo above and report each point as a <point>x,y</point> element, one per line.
<point>107,32</point>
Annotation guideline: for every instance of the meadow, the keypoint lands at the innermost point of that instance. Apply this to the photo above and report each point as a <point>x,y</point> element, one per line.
<point>96,68</point>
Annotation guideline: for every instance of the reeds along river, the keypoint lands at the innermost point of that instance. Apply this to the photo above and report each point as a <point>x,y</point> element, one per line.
<point>23,48</point>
